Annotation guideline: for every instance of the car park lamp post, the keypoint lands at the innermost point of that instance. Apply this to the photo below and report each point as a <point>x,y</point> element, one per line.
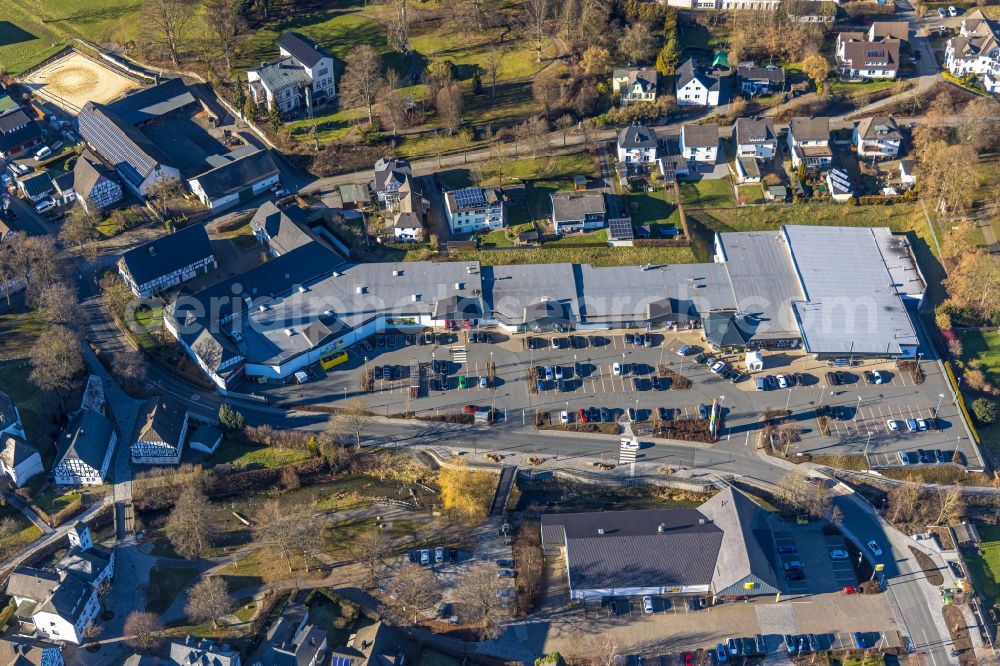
<point>940,398</point>
<point>788,402</point>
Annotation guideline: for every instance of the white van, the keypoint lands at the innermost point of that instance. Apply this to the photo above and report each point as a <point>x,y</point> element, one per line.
<point>43,206</point>
<point>43,152</point>
<point>301,377</point>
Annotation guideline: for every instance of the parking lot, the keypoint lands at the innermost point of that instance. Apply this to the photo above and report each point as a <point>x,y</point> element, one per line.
<point>859,413</point>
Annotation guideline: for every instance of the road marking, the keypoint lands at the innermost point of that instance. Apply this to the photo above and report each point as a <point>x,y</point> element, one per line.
<point>746,442</point>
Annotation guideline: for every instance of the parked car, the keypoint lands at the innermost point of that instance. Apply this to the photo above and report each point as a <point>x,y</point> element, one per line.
<point>702,411</point>
<point>666,413</point>
<point>793,565</point>
<point>387,373</point>
<point>505,573</point>
<point>921,425</point>
<point>631,414</point>
<point>505,564</point>
<point>604,415</point>
<point>559,372</point>
<point>721,655</point>
<point>718,366</point>
<point>583,415</point>
<point>892,425</point>
<point>564,417</point>
<point>832,379</point>
<point>782,381</point>
<point>952,11</point>
<point>795,574</point>
<point>911,425</point>
<point>944,456</point>
<point>629,339</point>
<point>550,373</point>
<point>839,554</point>
<point>647,604</point>
<point>470,409</point>
<point>875,548</point>
<point>942,12</point>
<point>869,377</point>
<point>484,382</point>
<point>850,589</point>
<point>926,456</point>
<point>616,369</point>
<point>878,377</point>
<point>463,383</point>
<point>425,556</point>
<point>787,548</point>
<point>45,205</point>
<point>439,554</point>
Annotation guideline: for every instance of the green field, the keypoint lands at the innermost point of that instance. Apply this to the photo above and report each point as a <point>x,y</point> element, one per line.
<point>985,569</point>
<point>255,457</point>
<point>707,193</point>
<point>985,346</point>
<point>33,31</point>
<point>654,209</point>
<point>36,407</point>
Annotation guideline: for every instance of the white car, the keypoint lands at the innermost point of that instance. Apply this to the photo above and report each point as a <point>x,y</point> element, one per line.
<point>616,369</point>
<point>425,556</point>
<point>46,205</point>
<point>559,372</point>
<point>921,424</point>
<point>838,554</point>
<point>684,350</point>
<point>719,365</point>
<point>549,373</point>
<point>892,425</point>
<point>630,444</point>
<point>439,554</point>
<point>281,192</point>
<point>874,547</point>
<point>952,11</point>
<point>782,381</point>
<point>647,604</point>
<point>878,377</point>
<point>564,417</point>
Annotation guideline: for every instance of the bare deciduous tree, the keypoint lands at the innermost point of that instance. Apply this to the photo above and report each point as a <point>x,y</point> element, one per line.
<point>399,28</point>
<point>392,107</point>
<point>413,589</point>
<point>225,19</point>
<point>535,20</point>
<point>143,630</point>
<point>354,418</point>
<point>362,79</point>
<point>58,303</point>
<point>167,21</point>
<point>291,536</point>
<point>449,104</point>
<point>477,593</point>
<point>208,599</point>
<point>189,526</point>
<point>56,359</point>
<point>370,550</point>
<point>638,45</point>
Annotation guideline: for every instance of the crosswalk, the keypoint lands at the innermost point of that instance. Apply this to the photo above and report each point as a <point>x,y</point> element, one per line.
<point>459,355</point>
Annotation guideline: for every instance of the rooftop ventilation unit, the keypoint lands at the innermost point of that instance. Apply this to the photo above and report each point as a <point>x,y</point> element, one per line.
<point>459,286</point>
<point>327,313</point>
<point>361,289</point>
<point>302,289</point>
<point>600,530</point>
<point>289,332</point>
<point>397,273</point>
<point>336,274</point>
<point>661,528</point>
<point>415,297</point>
<point>701,521</point>
<point>262,307</point>
<point>470,270</point>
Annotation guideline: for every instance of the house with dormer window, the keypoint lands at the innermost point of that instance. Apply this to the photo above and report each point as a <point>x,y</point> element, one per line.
<point>976,50</point>
<point>301,76</point>
<point>634,84</point>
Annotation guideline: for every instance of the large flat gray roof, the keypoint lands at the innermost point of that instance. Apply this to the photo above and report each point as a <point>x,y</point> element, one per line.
<point>763,280</point>
<point>851,303</point>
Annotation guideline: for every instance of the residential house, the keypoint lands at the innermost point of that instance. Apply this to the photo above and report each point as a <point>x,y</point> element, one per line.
<point>877,137</point>
<point>672,165</point>
<point>19,133</point>
<point>697,85</point>
<point>84,450</point>
<point>167,261</point>
<point>755,137</point>
<point>857,57</point>
<point>474,209</point>
<point>809,143</point>
<point>880,31</point>
<point>301,76</point>
<point>411,211</point>
<point>390,174</point>
<point>95,186</point>
<point>578,211</point>
<point>65,193</point>
<point>202,652</point>
<point>377,644</point>
<point>747,170</point>
<point>291,640</point>
<point>235,178</point>
<point>62,603</point>
<point>18,459</point>
<point>19,650</point>
<point>407,227</point>
<point>976,50</point>
<point>10,418</point>
<point>634,84</point>
<point>36,186</point>
<point>758,80</point>
<point>700,143</point>
<point>637,144</point>
<point>161,429</point>
<point>281,229</point>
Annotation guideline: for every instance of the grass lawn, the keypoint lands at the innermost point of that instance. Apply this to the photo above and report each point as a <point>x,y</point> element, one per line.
<point>254,457</point>
<point>36,408</point>
<point>337,617</point>
<point>31,32</point>
<point>150,323</point>
<point>497,238</point>
<point>707,193</point>
<point>842,88</point>
<point>985,569</point>
<point>597,238</point>
<point>654,209</point>
<point>329,126</point>
<point>752,193</point>
<point>52,503</point>
<point>596,256</point>
<point>27,533</point>
<point>985,346</point>
<point>551,167</point>
<point>165,583</point>
<point>245,572</point>
<point>454,179</point>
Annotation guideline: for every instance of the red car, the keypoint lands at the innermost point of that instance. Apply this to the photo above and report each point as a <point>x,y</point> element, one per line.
<point>850,589</point>
<point>470,409</point>
<point>583,416</point>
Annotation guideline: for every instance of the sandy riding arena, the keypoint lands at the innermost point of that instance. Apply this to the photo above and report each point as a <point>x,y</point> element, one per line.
<point>73,80</point>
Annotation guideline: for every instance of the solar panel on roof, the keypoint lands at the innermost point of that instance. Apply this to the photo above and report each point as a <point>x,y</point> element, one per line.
<point>341,661</point>
<point>469,197</point>
<point>621,230</point>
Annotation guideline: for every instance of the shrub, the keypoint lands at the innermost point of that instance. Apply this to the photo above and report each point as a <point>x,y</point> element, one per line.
<point>985,410</point>
<point>231,419</point>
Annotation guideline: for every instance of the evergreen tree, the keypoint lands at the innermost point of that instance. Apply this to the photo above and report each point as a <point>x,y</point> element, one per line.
<point>274,116</point>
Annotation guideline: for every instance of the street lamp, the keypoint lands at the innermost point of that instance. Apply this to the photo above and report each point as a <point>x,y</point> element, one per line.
<point>940,398</point>
<point>867,442</point>
<point>857,412</point>
<point>788,402</point>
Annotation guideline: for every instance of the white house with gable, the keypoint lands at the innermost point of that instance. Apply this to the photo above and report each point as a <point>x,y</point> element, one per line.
<point>301,76</point>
